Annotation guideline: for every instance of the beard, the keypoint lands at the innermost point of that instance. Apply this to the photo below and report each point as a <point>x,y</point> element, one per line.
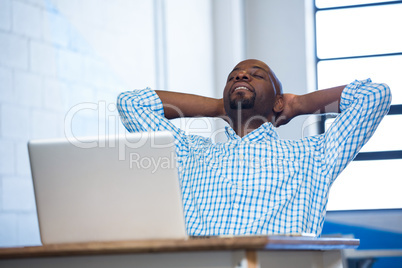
<point>241,102</point>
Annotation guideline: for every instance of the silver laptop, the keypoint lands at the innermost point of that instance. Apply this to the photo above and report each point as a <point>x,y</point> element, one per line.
<point>107,188</point>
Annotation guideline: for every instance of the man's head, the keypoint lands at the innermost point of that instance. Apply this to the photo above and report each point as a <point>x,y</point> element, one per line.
<point>253,88</point>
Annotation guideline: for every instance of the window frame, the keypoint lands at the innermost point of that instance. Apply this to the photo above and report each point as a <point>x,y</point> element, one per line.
<point>395,109</point>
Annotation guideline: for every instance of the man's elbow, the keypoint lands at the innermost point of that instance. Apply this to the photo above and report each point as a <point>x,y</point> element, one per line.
<point>385,95</point>
<point>125,101</point>
<point>379,97</point>
<point>120,99</point>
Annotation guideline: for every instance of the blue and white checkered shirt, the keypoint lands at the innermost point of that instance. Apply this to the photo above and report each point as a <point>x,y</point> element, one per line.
<point>260,184</point>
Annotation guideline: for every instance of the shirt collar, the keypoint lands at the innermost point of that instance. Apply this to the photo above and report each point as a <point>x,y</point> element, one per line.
<point>265,132</point>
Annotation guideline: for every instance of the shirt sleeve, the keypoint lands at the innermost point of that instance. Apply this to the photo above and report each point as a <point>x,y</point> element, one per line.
<point>363,105</point>
<point>142,110</point>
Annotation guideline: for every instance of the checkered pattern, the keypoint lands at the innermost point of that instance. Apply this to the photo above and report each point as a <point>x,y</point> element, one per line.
<point>260,184</point>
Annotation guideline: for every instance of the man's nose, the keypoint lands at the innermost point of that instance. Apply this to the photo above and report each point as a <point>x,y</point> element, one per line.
<point>242,75</point>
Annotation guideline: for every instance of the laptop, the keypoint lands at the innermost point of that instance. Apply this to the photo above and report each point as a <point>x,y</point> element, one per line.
<point>107,188</point>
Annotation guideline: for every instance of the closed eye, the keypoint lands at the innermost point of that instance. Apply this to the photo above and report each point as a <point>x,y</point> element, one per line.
<point>259,76</point>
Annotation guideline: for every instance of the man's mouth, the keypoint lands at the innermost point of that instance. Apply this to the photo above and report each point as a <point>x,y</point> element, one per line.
<point>240,88</point>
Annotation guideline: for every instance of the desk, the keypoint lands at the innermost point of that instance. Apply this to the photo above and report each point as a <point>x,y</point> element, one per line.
<point>259,251</point>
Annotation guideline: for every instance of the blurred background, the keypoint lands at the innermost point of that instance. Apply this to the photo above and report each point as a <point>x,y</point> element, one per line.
<point>63,63</point>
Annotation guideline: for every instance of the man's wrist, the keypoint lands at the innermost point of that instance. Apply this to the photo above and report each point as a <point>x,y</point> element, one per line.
<point>298,107</point>
<point>220,109</point>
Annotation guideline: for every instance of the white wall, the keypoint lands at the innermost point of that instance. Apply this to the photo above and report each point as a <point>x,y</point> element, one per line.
<point>189,55</point>
<point>58,58</point>
<point>62,64</point>
<point>54,56</point>
<point>276,34</point>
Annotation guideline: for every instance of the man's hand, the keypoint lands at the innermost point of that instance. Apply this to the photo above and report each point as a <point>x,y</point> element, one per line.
<point>317,102</point>
<point>289,110</point>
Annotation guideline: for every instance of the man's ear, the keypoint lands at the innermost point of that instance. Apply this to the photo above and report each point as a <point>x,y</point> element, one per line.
<point>279,104</point>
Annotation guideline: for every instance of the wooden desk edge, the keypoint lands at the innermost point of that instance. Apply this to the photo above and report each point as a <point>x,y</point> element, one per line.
<point>173,245</point>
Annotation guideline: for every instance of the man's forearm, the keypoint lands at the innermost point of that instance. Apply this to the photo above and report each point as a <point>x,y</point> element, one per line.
<point>177,105</point>
<point>320,101</point>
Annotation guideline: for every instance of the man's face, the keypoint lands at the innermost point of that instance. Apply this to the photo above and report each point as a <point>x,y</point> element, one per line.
<point>249,87</point>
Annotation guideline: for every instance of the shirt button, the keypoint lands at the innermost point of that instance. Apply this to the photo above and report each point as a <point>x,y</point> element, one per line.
<point>240,184</point>
<point>241,156</point>
<point>236,206</point>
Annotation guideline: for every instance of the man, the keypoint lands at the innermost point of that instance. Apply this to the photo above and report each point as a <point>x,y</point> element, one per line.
<point>255,183</point>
